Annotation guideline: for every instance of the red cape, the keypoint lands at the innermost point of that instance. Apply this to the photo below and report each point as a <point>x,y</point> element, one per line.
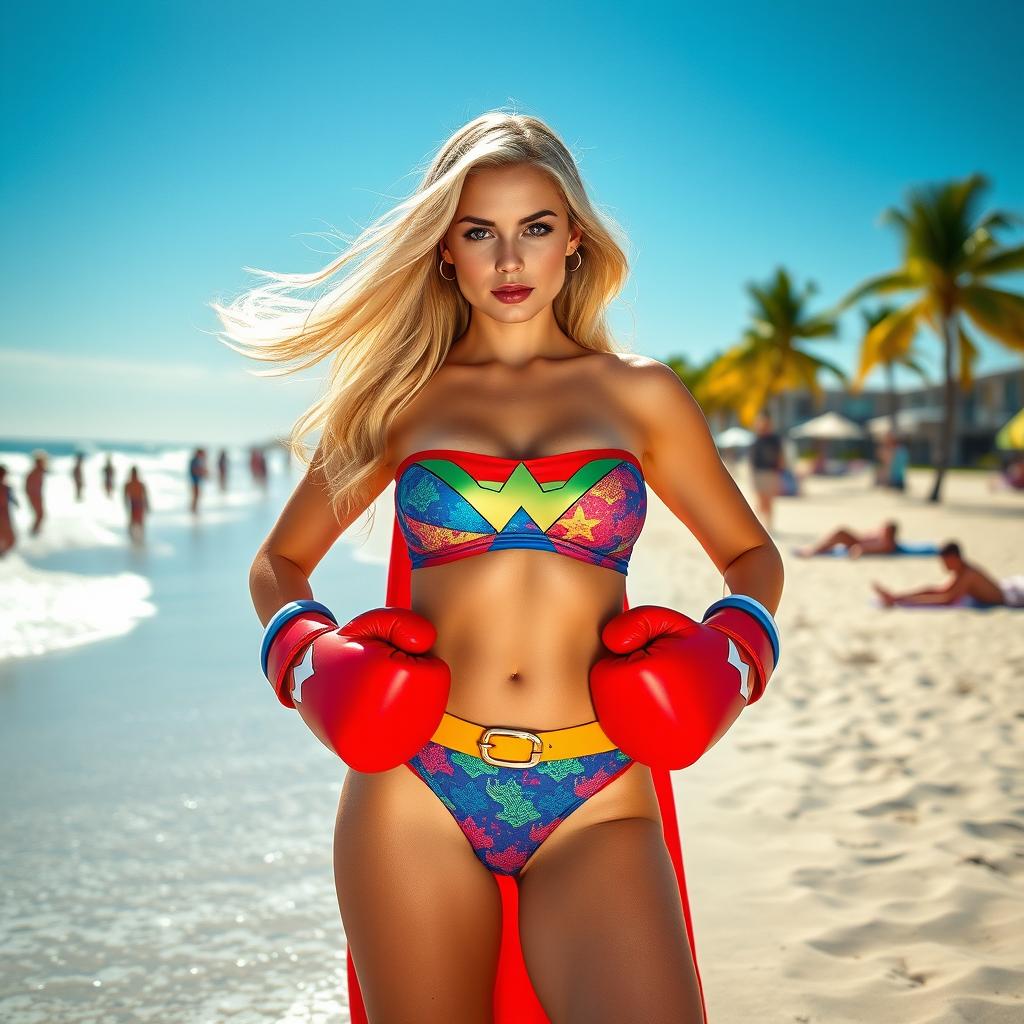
<point>515,1002</point>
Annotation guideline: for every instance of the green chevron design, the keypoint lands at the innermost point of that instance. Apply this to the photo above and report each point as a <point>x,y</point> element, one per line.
<point>498,502</point>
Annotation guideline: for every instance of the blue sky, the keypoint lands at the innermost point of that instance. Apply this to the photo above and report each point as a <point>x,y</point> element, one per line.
<point>151,150</point>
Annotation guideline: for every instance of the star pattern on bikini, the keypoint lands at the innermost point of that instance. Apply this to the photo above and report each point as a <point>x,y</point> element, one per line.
<point>578,525</point>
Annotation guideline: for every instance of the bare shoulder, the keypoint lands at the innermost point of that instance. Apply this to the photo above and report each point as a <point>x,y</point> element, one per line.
<point>644,371</point>
<point>976,573</point>
<point>657,397</point>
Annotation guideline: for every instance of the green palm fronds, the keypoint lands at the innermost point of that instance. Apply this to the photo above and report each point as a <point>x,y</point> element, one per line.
<point>769,360</point>
<point>949,251</point>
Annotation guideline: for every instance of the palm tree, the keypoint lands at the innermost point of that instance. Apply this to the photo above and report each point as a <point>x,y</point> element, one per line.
<point>889,343</point>
<point>767,361</point>
<point>948,253</point>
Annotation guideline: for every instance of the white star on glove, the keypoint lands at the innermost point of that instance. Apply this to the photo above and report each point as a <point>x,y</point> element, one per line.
<point>303,671</point>
<point>741,666</point>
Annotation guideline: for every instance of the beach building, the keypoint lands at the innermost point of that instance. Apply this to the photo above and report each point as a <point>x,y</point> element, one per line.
<point>982,409</point>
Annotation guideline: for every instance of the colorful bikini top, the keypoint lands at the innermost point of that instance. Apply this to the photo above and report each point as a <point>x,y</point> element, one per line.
<point>588,504</point>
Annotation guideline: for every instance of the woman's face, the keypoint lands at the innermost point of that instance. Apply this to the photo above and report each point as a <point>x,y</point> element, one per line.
<point>514,246</point>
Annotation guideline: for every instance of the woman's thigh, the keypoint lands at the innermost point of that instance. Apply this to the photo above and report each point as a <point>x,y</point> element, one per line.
<point>602,929</point>
<point>421,914</point>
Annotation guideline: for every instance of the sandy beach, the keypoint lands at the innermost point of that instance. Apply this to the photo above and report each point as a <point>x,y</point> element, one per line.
<point>854,847</point>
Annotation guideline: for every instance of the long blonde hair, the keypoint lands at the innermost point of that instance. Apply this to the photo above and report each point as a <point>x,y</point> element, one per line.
<point>390,321</point>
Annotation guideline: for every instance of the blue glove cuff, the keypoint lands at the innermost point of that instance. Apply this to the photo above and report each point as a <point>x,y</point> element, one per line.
<point>286,614</point>
<point>754,608</point>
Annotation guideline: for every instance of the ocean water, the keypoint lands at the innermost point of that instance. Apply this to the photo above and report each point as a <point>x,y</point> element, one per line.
<point>166,824</point>
<point>43,608</point>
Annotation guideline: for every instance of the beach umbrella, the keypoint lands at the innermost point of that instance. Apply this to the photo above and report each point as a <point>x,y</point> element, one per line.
<point>829,426</point>
<point>735,437</point>
<point>1011,437</point>
<point>908,421</point>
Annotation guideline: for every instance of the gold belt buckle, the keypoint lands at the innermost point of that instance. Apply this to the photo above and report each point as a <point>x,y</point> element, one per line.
<point>485,745</point>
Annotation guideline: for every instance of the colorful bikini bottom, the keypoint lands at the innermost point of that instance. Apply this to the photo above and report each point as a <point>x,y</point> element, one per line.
<point>506,813</point>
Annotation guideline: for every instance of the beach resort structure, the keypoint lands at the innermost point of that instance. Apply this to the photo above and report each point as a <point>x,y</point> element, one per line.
<point>990,401</point>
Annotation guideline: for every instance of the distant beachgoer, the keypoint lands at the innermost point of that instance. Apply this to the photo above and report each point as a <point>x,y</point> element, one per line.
<point>137,500</point>
<point>197,472</point>
<point>899,462</point>
<point>34,489</point>
<point>882,454</point>
<point>766,462</point>
<point>222,469</point>
<point>1010,477</point>
<point>7,499</point>
<point>108,477</point>
<point>883,461</point>
<point>882,542</point>
<point>968,585</point>
<point>819,461</point>
<point>258,466</point>
<point>78,475</point>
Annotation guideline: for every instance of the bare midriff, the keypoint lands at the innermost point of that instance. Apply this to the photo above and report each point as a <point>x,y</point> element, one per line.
<point>519,630</point>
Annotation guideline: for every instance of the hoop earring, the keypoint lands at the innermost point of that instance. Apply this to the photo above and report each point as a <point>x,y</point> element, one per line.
<point>579,256</point>
<point>440,270</point>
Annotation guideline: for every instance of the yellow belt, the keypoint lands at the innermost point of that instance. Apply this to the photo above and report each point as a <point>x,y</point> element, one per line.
<point>520,748</point>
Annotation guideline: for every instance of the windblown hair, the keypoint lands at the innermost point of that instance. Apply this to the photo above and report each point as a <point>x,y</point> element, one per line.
<point>389,320</point>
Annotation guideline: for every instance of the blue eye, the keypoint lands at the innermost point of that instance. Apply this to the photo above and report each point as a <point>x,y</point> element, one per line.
<point>536,224</point>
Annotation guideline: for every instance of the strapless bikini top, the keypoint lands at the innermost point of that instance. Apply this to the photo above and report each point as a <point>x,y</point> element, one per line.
<point>588,504</point>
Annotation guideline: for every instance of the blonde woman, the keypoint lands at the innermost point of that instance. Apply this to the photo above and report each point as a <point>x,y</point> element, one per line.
<point>506,719</point>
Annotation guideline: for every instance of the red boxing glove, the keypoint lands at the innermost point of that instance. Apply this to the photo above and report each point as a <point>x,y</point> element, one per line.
<point>672,686</point>
<point>368,690</point>
<point>754,642</point>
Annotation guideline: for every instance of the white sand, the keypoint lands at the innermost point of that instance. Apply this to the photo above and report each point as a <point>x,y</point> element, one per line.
<point>854,847</point>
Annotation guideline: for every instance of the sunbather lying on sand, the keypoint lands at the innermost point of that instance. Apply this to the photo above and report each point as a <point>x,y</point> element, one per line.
<point>881,542</point>
<point>968,585</point>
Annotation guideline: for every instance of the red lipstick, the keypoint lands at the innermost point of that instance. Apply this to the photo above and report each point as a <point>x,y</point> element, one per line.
<point>511,293</point>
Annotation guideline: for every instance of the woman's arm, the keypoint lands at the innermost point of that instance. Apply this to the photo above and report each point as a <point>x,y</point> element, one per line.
<point>682,466</point>
<point>302,535</point>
